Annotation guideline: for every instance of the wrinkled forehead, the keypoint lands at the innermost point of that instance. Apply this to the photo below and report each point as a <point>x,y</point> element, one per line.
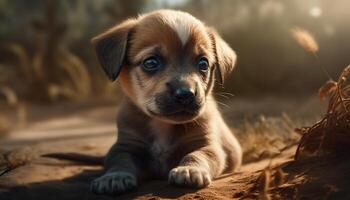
<point>172,34</point>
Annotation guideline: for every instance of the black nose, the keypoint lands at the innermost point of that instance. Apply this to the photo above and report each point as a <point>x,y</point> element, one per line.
<point>184,95</point>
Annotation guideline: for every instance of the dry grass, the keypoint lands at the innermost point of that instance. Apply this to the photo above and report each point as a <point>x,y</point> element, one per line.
<point>10,160</point>
<point>268,180</point>
<point>10,95</point>
<point>319,175</point>
<point>266,137</point>
<point>68,77</point>
<point>4,126</point>
<point>332,133</point>
<point>19,108</point>
<point>77,85</point>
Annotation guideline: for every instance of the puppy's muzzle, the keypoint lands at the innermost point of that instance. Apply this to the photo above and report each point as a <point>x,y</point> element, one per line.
<point>184,96</point>
<point>179,100</point>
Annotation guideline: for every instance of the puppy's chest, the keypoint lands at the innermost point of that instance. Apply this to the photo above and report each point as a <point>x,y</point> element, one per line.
<point>162,148</point>
<point>161,151</point>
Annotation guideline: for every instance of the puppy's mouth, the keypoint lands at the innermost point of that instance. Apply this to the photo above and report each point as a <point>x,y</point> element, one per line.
<point>176,116</point>
<point>167,109</point>
<point>180,112</point>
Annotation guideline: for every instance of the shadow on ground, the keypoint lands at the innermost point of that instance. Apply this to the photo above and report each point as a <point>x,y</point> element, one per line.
<point>77,187</point>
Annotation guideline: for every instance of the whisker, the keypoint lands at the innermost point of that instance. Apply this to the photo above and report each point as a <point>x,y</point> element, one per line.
<point>219,102</point>
<point>223,104</point>
<point>225,93</point>
<point>221,95</point>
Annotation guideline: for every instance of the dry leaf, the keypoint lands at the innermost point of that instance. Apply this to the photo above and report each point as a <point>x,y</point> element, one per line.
<point>327,89</point>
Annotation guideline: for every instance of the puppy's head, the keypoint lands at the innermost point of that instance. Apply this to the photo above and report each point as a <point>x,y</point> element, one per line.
<point>166,62</point>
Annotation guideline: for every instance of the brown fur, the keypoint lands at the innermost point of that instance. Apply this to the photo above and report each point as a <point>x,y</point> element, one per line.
<point>188,150</point>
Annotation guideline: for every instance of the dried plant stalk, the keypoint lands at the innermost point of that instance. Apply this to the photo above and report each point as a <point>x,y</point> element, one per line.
<point>305,39</point>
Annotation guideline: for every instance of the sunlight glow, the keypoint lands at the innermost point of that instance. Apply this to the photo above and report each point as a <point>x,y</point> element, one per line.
<point>315,12</point>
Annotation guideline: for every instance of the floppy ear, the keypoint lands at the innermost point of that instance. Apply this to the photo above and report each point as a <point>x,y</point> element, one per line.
<point>225,56</point>
<point>111,46</point>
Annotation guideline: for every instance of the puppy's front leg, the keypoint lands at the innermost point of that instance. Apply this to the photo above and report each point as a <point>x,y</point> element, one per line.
<point>121,175</point>
<point>198,168</point>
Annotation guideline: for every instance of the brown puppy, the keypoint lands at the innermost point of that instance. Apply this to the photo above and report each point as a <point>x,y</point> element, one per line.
<point>169,125</point>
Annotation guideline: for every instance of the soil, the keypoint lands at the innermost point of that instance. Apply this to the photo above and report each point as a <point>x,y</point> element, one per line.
<point>92,131</point>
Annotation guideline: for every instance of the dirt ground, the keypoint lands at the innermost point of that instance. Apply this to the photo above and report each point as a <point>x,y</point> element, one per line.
<point>91,130</point>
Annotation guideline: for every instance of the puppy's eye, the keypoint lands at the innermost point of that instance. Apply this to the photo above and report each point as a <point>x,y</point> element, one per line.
<point>203,64</point>
<point>151,64</point>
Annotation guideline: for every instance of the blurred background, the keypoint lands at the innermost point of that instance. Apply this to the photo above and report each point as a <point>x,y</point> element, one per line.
<point>47,63</point>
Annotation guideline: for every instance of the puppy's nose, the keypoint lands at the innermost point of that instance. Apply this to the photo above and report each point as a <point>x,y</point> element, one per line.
<point>184,95</point>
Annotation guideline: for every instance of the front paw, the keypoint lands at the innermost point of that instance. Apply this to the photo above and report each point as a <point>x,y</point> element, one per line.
<point>114,183</point>
<point>189,177</point>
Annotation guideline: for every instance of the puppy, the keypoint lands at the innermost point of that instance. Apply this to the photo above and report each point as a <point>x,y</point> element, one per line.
<point>169,126</point>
